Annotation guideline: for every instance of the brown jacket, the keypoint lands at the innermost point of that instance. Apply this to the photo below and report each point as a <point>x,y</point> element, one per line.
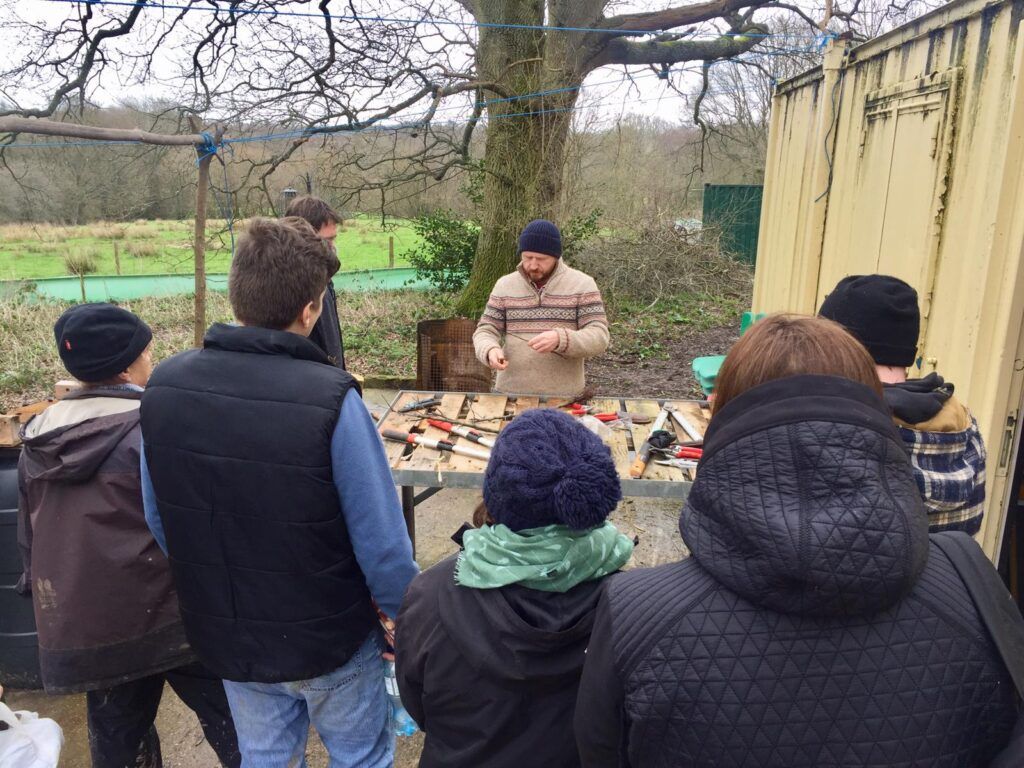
<point>106,609</point>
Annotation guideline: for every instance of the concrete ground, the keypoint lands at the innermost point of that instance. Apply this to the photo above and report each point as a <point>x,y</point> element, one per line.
<point>655,522</point>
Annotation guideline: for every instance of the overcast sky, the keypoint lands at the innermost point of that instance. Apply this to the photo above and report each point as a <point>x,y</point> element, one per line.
<point>608,94</point>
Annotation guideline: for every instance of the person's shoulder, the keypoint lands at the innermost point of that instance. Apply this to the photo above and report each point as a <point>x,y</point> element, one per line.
<point>638,589</point>
<point>435,578</point>
<point>507,284</point>
<point>583,282</point>
<point>171,366</point>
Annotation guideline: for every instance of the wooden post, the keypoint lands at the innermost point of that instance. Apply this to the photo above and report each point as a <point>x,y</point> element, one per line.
<point>117,258</point>
<point>199,233</point>
<point>81,283</point>
<point>391,251</point>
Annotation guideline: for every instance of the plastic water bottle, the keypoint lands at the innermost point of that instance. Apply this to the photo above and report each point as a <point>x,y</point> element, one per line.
<point>403,723</point>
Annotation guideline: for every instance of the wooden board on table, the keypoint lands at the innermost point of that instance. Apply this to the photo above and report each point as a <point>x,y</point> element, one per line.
<point>487,409</point>
<point>651,408</point>
<point>618,442</point>
<point>695,412</point>
<point>525,403</point>
<point>402,422</point>
<point>427,458</point>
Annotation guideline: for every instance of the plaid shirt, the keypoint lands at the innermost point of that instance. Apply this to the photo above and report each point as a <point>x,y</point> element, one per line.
<point>950,471</point>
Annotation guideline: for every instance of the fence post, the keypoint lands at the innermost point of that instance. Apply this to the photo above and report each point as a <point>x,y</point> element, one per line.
<point>391,251</point>
<point>117,259</point>
<point>202,185</point>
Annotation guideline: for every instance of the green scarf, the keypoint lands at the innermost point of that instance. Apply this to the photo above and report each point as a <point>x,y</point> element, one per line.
<point>554,558</point>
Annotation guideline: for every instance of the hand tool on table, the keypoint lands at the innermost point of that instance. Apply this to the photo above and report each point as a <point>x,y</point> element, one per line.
<point>472,425</point>
<point>686,425</point>
<point>438,445</point>
<point>420,404</point>
<point>466,432</point>
<point>588,410</point>
<point>658,438</point>
<point>682,452</point>
<point>677,463</point>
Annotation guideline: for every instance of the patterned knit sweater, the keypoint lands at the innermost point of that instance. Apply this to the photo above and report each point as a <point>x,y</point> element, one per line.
<point>569,303</point>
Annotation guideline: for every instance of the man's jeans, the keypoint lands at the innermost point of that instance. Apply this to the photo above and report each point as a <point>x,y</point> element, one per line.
<point>348,707</point>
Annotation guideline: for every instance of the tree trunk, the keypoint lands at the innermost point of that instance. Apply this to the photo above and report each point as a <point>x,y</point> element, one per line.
<point>525,146</point>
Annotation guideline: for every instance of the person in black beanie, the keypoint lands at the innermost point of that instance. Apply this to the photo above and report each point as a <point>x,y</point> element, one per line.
<point>543,321</point>
<point>947,452</point>
<point>106,608</point>
<point>491,641</point>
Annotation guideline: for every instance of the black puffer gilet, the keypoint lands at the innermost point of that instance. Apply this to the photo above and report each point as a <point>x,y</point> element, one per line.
<point>237,438</point>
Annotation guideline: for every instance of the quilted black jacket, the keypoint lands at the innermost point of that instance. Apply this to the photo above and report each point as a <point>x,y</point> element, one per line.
<point>812,626</point>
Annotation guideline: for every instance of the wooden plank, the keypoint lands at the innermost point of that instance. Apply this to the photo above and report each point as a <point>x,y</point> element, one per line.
<point>695,411</point>
<point>641,431</point>
<point>400,422</point>
<point>525,403</point>
<point>618,443</point>
<point>483,408</point>
<point>64,387</point>
<point>9,428</point>
<point>427,458</point>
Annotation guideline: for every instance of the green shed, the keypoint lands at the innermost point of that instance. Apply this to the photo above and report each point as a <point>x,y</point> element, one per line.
<point>734,210</point>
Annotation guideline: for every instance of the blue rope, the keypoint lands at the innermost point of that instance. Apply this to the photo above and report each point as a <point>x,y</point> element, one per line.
<point>413,22</point>
<point>207,149</point>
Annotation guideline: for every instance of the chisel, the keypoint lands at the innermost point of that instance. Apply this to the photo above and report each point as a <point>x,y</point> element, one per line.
<point>466,432</point>
<point>437,445</point>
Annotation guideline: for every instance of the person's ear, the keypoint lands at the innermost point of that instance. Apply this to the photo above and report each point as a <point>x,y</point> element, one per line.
<point>308,313</point>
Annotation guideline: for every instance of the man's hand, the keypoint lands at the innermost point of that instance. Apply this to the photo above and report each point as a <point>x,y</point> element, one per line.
<point>496,359</point>
<point>544,342</point>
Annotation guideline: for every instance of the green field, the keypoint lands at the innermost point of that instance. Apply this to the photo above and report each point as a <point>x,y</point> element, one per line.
<point>165,247</point>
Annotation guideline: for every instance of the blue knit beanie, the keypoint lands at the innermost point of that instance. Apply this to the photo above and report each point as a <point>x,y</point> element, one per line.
<point>541,236</point>
<point>546,468</point>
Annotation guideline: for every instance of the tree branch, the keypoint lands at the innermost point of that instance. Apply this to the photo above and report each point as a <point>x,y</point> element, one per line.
<point>621,51</point>
<point>75,131</point>
<point>670,18</point>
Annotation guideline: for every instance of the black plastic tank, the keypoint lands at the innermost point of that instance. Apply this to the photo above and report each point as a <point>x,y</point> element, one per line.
<point>19,645</point>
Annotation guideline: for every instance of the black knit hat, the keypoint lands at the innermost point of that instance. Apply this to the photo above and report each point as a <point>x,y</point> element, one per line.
<point>541,236</point>
<point>881,312</point>
<point>98,341</point>
<point>546,469</point>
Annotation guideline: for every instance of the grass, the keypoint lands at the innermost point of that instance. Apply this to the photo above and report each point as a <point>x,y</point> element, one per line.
<point>645,331</point>
<point>157,247</point>
<point>379,328</point>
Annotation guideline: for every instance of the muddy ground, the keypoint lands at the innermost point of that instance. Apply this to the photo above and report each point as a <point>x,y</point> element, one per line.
<point>629,374</point>
<point>653,521</point>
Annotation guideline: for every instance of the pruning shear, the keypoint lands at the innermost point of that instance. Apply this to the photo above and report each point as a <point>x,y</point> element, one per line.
<point>684,452</point>
<point>677,463</point>
<point>588,410</point>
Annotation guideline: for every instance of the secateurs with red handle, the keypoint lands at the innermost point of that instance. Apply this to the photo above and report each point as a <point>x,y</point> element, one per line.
<point>470,434</point>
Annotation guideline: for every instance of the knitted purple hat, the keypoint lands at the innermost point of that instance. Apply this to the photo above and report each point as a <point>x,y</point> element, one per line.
<point>546,468</point>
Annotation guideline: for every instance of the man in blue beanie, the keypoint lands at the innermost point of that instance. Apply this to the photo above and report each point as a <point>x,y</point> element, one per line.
<point>542,321</point>
<point>945,445</point>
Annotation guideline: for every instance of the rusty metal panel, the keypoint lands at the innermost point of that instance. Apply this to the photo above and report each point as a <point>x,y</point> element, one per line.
<point>926,161</point>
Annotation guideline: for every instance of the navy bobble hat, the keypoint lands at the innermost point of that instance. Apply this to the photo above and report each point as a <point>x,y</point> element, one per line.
<point>881,312</point>
<point>546,469</point>
<point>541,236</point>
<point>98,341</point>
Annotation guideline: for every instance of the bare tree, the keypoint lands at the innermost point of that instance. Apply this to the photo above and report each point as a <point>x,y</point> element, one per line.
<point>422,77</point>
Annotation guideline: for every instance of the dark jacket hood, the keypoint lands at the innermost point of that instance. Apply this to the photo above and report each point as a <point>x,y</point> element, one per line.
<point>514,634</point>
<point>805,501</point>
<point>74,452</point>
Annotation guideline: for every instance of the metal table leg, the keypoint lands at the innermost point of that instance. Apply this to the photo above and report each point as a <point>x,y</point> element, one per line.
<point>409,513</point>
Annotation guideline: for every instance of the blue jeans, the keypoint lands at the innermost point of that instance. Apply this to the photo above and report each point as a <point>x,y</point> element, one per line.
<point>348,707</point>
